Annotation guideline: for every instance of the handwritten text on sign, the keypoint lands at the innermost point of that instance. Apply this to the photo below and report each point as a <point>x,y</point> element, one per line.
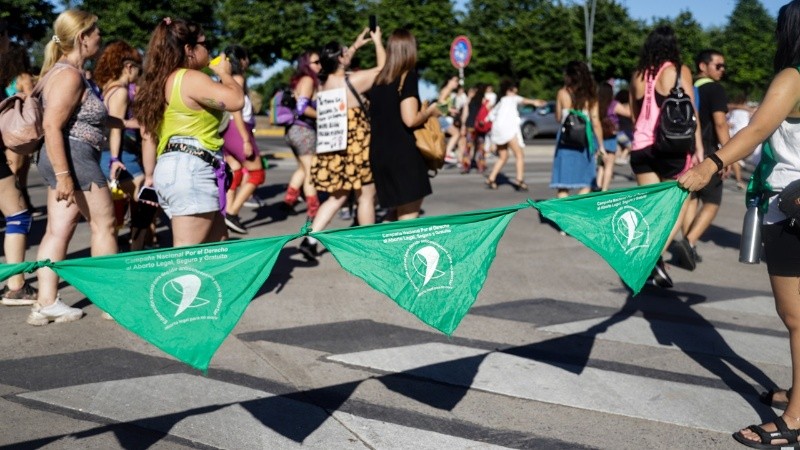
<point>332,120</point>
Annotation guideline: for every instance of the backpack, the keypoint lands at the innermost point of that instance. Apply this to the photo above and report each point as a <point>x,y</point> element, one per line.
<point>482,122</point>
<point>573,131</point>
<point>431,143</point>
<point>282,106</point>
<point>677,122</point>
<point>428,138</point>
<point>21,126</point>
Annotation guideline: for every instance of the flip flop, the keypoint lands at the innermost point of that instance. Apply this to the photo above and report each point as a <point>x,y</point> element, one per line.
<point>768,398</point>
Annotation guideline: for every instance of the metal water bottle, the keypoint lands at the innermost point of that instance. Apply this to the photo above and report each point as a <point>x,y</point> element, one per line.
<point>750,246</point>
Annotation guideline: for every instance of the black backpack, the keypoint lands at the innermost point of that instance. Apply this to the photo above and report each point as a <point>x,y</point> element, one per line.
<point>677,122</point>
<point>573,131</point>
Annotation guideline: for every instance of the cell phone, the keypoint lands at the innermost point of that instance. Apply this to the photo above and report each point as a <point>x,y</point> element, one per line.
<point>148,194</point>
<point>373,22</point>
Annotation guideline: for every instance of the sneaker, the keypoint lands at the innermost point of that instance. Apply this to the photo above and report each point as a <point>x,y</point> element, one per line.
<point>58,312</point>
<point>660,277</point>
<point>106,316</point>
<point>345,214</point>
<point>308,250</point>
<point>26,295</point>
<point>695,255</point>
<point>684,256</point>
<point>253,202</point>
<point>234,224</point>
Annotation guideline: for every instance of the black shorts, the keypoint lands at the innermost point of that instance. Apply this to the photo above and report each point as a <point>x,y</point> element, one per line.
<point>712,193</point>
<point>646,161</point>
<point>782,249</point>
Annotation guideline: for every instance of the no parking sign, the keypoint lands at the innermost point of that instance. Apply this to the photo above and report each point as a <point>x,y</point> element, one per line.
<point>460,52</point>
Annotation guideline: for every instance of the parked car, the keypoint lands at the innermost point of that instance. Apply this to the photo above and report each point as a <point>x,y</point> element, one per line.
<point>538,121</point>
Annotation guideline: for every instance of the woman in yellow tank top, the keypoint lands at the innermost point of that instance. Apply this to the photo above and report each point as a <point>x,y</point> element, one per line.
<point>179,109</point>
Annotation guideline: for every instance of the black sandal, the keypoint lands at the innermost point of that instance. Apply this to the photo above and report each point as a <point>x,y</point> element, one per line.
<point>783,433</point>
<point>521,186</point>
<point>491,184</point>
<point>768,398</point>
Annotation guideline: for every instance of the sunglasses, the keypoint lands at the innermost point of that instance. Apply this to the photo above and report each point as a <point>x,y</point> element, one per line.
<point>721,66</point>
<point>203,43</point>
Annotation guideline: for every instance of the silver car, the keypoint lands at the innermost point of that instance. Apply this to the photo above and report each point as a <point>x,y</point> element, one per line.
<point>538,121</point>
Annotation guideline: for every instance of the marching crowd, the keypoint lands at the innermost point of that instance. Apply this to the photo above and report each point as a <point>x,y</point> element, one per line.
<point>157,131</point>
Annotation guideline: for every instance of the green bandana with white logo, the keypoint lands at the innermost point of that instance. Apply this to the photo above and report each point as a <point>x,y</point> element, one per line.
<point>433,267</point>
<point>183,300</point>
<point>627,227</point>
<point>186,300</point>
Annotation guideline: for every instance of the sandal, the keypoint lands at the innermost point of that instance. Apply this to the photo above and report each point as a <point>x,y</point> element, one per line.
<point>768,398</point>
<point>783,433</point>
<point>491,184</point>
<point>521,186</point>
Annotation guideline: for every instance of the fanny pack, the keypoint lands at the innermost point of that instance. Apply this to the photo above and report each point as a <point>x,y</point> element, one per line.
<point>789,202</point>
<point>221,170</point>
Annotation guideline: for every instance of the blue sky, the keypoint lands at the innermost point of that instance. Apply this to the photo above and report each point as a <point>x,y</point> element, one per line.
<point>707,12</point>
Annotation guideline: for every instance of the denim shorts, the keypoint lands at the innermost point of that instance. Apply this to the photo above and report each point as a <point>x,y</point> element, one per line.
<point>186,185</point>
<point>131,161</point>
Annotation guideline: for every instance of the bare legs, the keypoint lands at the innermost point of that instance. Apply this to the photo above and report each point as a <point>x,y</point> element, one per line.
<point>12,202</point>
<point>246,189</point>
<point>96,206</point>
<point>198,229</point>
<point>502,158</point>
<point>787,302</point>
<point>365,198</point>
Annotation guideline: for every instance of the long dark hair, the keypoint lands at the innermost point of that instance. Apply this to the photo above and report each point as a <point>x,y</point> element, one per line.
<point>401,56</point>
<point>236,53</point>
<point>787,33</point>
<point>605,93</point>
<point>329,59</point>
<point>660,46</point>
<point>15,63</point>
<point>304,69</point>
<point>165,54</point>
<point>477,99</point>
<point>579,82</point>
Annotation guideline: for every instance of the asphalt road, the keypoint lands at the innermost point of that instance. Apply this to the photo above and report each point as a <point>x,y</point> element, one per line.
<point>554,353</point>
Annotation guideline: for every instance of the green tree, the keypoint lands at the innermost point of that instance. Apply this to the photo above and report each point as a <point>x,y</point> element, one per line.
<point>28,20</point>
<point>134,20</point>
<point>617,40</point>
<point>692,39</point>
<point>749,47</point>
<point>273,30</point>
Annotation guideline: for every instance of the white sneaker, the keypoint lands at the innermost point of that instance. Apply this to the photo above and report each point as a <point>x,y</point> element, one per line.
<point>58,312</point>
<point>253,202</point>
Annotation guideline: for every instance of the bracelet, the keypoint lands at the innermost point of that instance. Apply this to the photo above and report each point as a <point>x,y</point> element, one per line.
<point>715,159</point>
<point>114,159</point>
<point>66,172</point>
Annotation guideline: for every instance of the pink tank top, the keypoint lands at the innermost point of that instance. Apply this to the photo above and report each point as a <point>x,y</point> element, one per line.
<point>644,134</point>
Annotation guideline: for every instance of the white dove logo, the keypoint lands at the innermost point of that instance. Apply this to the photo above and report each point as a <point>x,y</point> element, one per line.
<point>431,258</point>
<point>185,295</point>
<point>186,287</point>
<point>630,228</point>
<point>428,266</point>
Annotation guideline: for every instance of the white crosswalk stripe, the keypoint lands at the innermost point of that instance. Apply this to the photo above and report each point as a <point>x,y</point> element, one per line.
<point>751,347</point>
<point>225,415</point>
<point>590,388</point>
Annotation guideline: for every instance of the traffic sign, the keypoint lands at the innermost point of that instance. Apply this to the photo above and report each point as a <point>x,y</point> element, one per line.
<point>460,52</point>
